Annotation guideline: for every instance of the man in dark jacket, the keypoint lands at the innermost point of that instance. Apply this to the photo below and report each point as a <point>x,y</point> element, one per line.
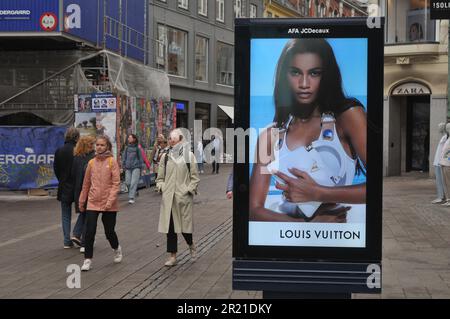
<point>63,169</point>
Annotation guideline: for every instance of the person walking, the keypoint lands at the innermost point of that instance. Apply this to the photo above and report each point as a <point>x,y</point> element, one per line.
<point>216,153</point>
<point>62,166</point>
<point>178,182</point>
<point>84,151</point>
<point>99,196</point>
<point>159,149</point>
<point>132,163</point>
<point>199,156</point>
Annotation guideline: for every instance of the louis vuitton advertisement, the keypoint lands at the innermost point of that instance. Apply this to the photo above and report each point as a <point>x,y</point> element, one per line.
<point>310,188</point>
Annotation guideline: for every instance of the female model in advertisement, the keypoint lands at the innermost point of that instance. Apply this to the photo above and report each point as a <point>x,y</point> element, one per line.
<point>308,88</point>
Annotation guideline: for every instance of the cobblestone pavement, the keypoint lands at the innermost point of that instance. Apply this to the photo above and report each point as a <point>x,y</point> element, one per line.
<point>416,254</point>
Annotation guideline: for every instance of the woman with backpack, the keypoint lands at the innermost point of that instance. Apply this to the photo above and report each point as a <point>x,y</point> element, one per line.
<point>84,151</point>
<point>99,196</point>
<point>132,163</point>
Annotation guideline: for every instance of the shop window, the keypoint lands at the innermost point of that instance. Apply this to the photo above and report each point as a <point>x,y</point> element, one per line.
<point>408,21</point>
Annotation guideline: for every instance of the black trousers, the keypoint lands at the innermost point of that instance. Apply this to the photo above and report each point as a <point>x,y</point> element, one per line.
<point>109,223</point>
<point>215,166</point>
<point>172,238</point>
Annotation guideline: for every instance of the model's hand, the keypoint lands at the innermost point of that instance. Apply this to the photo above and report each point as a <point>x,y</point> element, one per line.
<point>81,208</point>
<point>298,189</point>
<point>229,195</point>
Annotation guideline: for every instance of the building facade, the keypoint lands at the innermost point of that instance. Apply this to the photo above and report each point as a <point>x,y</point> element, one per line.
<point>415,85</point>
<point>312,8</point>
<point>194,43</point>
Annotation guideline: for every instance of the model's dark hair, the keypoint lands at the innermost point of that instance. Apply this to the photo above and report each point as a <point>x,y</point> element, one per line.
<point>330,98</point>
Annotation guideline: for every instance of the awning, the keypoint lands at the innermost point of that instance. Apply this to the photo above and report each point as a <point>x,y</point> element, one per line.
<point>229,110</point>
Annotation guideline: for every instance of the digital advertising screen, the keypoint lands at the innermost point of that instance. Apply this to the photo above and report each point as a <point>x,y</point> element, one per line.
<point>309,94</point>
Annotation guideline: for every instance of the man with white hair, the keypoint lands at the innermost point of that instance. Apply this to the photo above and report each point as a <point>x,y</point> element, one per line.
<point>178,182</point>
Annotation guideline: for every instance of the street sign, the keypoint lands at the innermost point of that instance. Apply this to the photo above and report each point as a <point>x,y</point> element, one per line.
<point>296,82</point>
<point>48,21</point>
<point>439,9</point>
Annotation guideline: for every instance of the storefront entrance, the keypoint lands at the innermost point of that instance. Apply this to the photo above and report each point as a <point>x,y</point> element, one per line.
<point>418,133</point>
<point>408,134</point>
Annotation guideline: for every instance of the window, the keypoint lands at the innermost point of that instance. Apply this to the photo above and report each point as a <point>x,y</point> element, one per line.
<point>225,64</point>
<point>322,11</point>
<point>175,41</point>
<point>203,7</point>
<point>220,10</point>
<point>253,11</point>
<point>238,9</point>
<point>409,21</point>
<point>183,4</point>
<point>201,59</point>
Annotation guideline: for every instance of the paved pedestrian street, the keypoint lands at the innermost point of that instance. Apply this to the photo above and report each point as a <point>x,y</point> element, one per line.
<point>33,263</point>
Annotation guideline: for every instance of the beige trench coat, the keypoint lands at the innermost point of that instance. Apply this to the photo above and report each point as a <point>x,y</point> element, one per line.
<point>178,188</point>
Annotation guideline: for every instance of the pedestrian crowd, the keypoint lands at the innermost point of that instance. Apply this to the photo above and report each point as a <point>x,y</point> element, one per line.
<point>90,178</point>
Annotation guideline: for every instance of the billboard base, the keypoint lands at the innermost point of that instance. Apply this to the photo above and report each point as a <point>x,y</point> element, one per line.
<point>296,279</point>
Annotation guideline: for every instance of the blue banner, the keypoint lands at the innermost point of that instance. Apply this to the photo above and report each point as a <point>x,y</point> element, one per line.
<point>29,15</point>
<point>27,156</point>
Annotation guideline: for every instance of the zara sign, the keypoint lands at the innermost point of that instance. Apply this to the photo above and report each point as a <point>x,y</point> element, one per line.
<point>411,88</point>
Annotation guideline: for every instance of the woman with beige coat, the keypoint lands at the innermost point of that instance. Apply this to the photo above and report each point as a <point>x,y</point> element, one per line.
<point>177,181</point>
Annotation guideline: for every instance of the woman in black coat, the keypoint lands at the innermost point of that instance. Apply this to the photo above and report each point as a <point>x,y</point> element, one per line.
<point>84,151</point>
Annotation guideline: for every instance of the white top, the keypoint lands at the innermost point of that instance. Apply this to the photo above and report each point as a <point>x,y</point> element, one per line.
<point>438,154</point>
<point>445,154</point>
<point>325,160</point>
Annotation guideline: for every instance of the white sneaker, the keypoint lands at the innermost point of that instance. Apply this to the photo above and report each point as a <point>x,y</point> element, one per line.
<point>131,201</point>
<point>118,255</point>
<point>438,201</point>
<point>82,250</point>
<point>86,265</point>
<point>193,251</point>
<point>172,261</point>
<point>446,204</point>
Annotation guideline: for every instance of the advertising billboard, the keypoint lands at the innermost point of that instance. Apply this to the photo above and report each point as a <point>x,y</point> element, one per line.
<point>29,16</point>
<point>27,156</point>
<point>309,94</point>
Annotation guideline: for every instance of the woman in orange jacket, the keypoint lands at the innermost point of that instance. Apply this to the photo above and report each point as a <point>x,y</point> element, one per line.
<point>100,189</point>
